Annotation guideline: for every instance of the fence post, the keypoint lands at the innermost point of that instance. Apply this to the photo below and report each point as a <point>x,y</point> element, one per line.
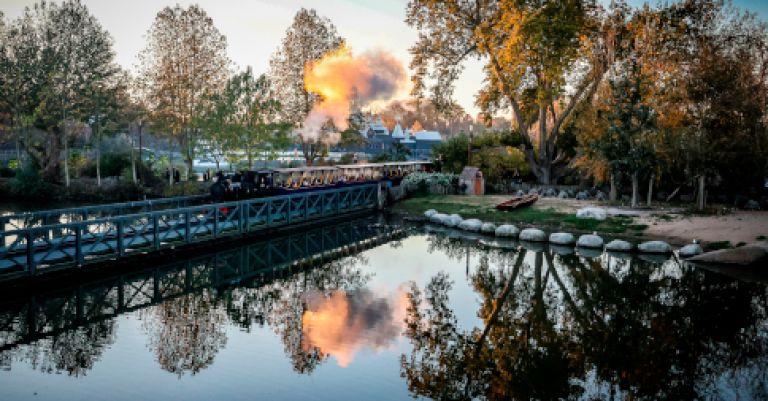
<point>269,213</point>
<point>241,217</point>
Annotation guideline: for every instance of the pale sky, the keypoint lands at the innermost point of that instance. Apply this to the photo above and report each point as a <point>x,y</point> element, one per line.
<point>254,28</point>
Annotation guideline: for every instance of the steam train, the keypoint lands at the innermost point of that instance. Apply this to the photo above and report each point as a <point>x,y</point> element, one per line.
<point>271,182</point>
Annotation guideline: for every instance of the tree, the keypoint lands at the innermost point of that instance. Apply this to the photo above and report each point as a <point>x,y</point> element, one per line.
<point>254,120</point>
<point>543,58</point>
<point>184,62</point>
<point>307,39</point>
<point>628,142</point>
<point>54,55</point>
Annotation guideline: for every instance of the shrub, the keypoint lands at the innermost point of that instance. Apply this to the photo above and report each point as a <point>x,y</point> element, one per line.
<point>28,183</point>
<point>112,164</point>
<point>421,183</point>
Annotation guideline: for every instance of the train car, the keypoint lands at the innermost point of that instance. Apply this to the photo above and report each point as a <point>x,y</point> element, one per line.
<point>259,183</point>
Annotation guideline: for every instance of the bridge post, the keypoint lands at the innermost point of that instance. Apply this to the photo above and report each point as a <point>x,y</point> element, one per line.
<point>216,211</point>
<point>79,257</point>
<point>120,243</point>
<point>31,267</point>
<point>155,231</point>
<point>306,206</point>
<point>187,227</point>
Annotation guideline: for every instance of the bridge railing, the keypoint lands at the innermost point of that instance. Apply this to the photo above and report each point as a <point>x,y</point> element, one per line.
<point>83,242</point>
<point>18,221</point>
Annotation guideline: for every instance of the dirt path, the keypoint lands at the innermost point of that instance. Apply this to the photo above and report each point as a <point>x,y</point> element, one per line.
<point>740,226</point>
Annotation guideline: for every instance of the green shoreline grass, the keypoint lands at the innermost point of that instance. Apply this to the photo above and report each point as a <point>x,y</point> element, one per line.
<point>528,216</point>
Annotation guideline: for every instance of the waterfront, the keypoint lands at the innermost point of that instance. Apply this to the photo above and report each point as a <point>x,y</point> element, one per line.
<point>341,322</point>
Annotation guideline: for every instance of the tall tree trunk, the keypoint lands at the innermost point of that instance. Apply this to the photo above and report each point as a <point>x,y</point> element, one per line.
<point>66,158</point>
<point>635,189</point>
<point>98,159</point>
<point>650,189</point>
<point>612,192</point>
<point>170,166</point>
<point>701,198</point>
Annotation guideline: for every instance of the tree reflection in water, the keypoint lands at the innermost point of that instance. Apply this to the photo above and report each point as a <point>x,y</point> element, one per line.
<point>567,327</point>
<point>283,303</point>
<point>187,332</point>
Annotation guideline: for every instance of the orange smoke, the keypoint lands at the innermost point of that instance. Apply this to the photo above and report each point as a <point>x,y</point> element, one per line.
<point>341,78</point>
<point>344,323</point>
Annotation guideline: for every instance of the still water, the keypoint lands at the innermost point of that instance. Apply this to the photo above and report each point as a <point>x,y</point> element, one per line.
<point>367,311</point>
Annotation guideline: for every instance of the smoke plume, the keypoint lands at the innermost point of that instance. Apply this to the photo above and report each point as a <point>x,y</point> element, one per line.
<point>341,78</point>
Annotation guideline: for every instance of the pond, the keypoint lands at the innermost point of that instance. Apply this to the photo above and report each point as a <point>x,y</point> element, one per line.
<point>377,310</point>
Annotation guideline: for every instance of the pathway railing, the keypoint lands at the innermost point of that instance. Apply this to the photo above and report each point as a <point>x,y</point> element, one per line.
<point>19,221</point>
<point>79,243</point>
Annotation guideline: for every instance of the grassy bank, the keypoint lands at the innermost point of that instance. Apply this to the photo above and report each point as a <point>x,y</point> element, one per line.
<point>549,218</point>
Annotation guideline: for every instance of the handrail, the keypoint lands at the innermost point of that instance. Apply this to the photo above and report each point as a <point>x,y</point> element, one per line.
<point>76,243</point>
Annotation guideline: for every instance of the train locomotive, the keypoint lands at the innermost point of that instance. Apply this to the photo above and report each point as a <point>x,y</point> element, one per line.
<point>281,181</point>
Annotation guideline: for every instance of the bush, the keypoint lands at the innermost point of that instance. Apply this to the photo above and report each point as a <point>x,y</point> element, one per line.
<point>421,183</point>
<point>112,165</point>
<point>28,183</point>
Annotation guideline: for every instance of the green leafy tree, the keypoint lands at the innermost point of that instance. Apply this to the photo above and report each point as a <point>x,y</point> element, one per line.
<point>184,63</point>
<point>542,59</point>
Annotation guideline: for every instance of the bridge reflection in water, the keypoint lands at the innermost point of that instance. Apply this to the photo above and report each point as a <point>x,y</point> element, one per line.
<point>440,316</point>
<point>49,315</point>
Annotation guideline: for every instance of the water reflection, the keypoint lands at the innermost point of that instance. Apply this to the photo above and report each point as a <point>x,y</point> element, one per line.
<point>579,328</point>
<point>344,323</point>
<point>550,324</point>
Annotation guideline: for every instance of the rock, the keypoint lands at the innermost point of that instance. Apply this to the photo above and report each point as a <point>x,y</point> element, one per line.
<point>471,225</point>
<point>488,228</point>
<point>690,250</point>
<point>590,252</point>
<point>562,238</point>
<point>507,231</point>
<point>752,205</point>
<point>563,195</point>
<point>750,254</point>
<point>582,195</point>
<point>438,218</point>
<point>429,213</point>
<point>659,247</point>
<point>453,220</point>
<point>549,192</point>
<point>533,191</point>
<point>590,241</point>
<point>618,245</point>
<point>561,249</point>
<point>533,246</point>
<point>620,255</point>
<point>601,196</point>
<point>533,235</point>
<point>596,213</point>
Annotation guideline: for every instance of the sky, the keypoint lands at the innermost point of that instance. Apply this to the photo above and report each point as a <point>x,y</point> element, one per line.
<point>254,28</point>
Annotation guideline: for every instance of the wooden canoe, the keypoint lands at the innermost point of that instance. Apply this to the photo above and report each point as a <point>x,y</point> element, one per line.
<point>518,202</point>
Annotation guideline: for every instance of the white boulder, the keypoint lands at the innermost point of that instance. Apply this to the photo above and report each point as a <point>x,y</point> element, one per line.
<point>660,247</point>
<point>438,218</point>
<point>562,238</point>
<point>533,235</point>
<point>618,245</point>
<point>596,213</point>
<point>429,213</point>
<point>453,220</point>
<point>590,241</point>
<point>488,228</point>
<point>471,225</point>
<point>507,230</point>
<point>690,250</point>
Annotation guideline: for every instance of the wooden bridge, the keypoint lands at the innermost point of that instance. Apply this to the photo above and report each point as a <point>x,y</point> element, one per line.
<point>64,238</point>
<point>44,315</point>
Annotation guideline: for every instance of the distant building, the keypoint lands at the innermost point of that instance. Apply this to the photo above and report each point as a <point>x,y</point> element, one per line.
<point>381,140</point>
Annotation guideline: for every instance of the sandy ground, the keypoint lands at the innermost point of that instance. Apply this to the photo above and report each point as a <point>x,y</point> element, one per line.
<point>738,226</point>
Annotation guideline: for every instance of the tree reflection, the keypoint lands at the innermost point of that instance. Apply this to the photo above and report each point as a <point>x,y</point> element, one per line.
<point>283,303</point>
<point>565,327</point>
<point>187,332</point>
